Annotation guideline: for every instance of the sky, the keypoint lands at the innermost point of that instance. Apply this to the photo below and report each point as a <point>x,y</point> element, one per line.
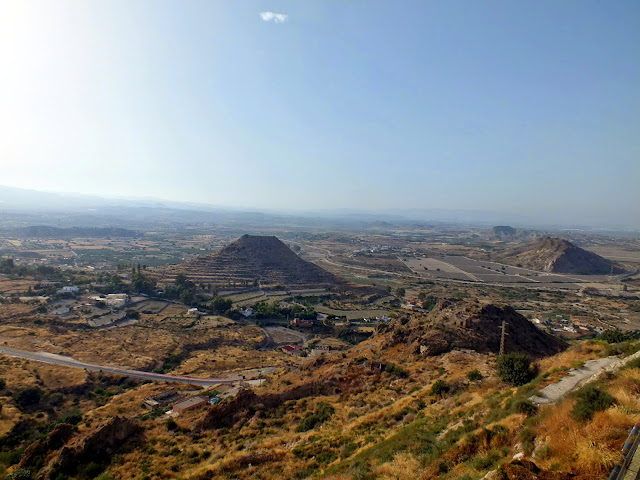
<point>525,107</point>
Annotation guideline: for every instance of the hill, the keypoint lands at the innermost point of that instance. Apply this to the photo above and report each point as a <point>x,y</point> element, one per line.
<point>557,255</point>
<point>459,325</point>
<point>503,230</point>
<point>46,231</point>
<point>254,258</point>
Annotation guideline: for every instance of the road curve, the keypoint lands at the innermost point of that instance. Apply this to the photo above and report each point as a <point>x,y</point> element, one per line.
<point>54,359</point>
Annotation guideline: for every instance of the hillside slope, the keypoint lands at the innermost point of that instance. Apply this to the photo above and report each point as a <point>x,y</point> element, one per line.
<point>560,256</point>
<point>459,325</point>
<point>254,258</point>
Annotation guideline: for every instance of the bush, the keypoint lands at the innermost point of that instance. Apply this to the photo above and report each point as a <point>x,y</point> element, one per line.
<point>591,400</point>
<point>27,397</point>
<point>321,415</point>
<point>515,368</point>
<point>527,439</point>
<point>171,424</point>
<point>440,388</point>
<point>396,370</point>
<point>527,407</point>
<point>3,383</point>
<point>613,336</point>
<point>474,375</point>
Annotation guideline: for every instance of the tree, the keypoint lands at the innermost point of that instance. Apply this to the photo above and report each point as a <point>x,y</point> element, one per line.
<point>220,305</point>
<point>613,336</point>
<point>439,388</point>
<point>399,292</point>
<point>186,297</point>
<point>515,368</point>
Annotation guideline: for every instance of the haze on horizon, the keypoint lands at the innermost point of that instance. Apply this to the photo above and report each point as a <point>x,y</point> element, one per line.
<point>525,108</point>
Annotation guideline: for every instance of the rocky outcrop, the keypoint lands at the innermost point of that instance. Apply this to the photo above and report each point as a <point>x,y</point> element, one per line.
<point>35,452</point>
<point>459,325</point>
<point>527,470</point>
<point>246,403</point>
<point>115,434</point>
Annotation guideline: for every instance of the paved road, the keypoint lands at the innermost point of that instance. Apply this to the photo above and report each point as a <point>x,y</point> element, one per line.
<point>71,362</point>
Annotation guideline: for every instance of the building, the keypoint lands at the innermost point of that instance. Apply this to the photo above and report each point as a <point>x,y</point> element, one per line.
<point>318,350</point>
<point>163,399</point>
<point>296,322</point>
<point>69,289</point>
<point>247,312</point>
<point>190,404</point>
<point>291,349</point>
<point>115,300</point>
<point>193,311</point>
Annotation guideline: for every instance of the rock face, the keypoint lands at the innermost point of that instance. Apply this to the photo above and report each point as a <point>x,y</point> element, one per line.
<point>246,402</point>
<point>38,449</point>
<point>97,446</point>
<point>255,258</point>
<point>556,255</point>
<point>459,325</point>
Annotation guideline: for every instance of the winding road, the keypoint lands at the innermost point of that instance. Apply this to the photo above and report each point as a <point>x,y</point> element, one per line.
<point>54,359</point>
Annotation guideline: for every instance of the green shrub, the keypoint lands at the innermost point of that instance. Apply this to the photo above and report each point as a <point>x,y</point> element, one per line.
<point>171,424</point>
<point>591,400</point>
<point>515,368</point>
<point>396,370</point>
<point>613,336</point>
<point>484,463</point>
<point>527,407</point>
<point>474,375</point>
<point>3,383</point>
<point>440,387</point>
<point>321,415</point>
<point>27,397</point>
<point>527,437</point>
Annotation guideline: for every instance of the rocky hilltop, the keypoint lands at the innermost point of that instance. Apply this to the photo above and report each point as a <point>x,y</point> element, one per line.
<point>264,259</point>
<point>557,255</point>
<point>460,325</point>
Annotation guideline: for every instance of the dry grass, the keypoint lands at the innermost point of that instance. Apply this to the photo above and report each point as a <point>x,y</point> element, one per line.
<point>569,358</point>
<point>591,448</point>
<point>404,466</point>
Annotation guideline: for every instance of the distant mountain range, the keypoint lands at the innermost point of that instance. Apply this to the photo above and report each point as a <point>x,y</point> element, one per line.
<point>45,231</point>
<point>68,209</point>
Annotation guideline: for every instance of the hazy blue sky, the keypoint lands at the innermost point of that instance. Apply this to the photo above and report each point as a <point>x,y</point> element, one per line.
<point>518,106</point>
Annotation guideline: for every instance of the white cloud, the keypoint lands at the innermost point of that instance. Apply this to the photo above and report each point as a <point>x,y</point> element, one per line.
<point>276,17</point>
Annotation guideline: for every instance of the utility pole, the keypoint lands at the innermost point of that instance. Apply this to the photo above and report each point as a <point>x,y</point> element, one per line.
<point>504,332</point>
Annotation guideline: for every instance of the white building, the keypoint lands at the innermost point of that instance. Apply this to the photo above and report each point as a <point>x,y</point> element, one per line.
<point>69,289</point>
<point>115,300</point>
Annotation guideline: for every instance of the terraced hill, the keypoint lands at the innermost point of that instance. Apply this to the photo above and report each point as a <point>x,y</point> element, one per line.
<point>253,258</point>
<point>560,256</point>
